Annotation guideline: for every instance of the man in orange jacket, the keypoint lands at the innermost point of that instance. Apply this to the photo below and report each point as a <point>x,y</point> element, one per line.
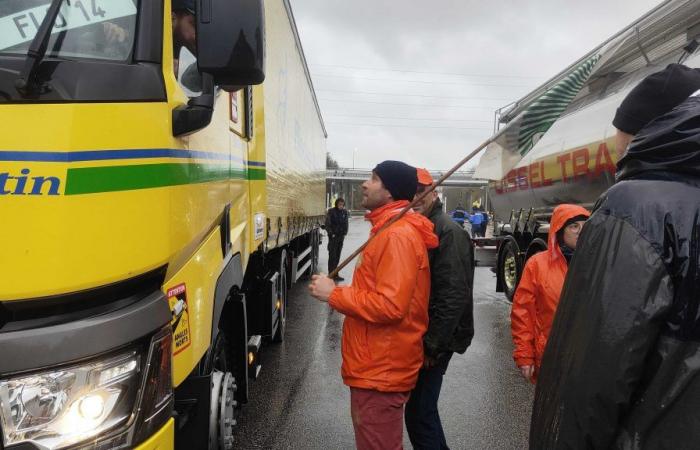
<point>386,309</point>
<point>540,286</point>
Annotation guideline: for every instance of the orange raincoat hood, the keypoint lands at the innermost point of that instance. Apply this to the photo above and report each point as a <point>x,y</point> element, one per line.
<point>422,224</point>
<point>560,216</point>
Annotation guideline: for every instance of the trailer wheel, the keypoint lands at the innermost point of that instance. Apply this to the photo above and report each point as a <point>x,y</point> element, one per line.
<point>511,267</point>
<point>283,292</point>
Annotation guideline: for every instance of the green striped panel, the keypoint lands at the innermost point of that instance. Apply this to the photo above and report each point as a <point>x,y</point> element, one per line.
<point>90,180</point>
<point>542,114</point>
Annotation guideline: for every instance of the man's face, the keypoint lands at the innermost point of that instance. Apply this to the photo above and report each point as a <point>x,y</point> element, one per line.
<point>374,194</point>
<point>340,205</point>
<point>424,206</point>
<point>184,31</point>
<point>622,140</point>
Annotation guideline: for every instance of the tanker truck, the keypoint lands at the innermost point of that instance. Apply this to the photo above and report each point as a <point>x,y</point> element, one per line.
<point>575,160</point>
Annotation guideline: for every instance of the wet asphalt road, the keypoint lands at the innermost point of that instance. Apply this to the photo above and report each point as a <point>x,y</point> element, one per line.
<point>299,400</point>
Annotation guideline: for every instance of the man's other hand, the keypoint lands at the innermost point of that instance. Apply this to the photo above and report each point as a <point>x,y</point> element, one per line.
<point>321,287</point>
<point>429,362</point>
<point>114,33</point>
<point>527,371</point>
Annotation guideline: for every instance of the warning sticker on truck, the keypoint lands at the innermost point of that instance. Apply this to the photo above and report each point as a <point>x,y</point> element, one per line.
<point>259,226</point>
<point>177,299</point>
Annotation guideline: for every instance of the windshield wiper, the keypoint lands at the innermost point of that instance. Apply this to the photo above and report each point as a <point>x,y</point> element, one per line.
<point>27,82</point>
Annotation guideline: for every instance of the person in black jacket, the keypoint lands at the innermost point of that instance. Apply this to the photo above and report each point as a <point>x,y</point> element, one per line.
<point>337,228</point>
<point>451,325</point>
<point>622,365</point>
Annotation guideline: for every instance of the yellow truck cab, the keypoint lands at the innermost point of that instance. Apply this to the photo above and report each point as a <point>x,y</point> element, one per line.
<point>155,209</point>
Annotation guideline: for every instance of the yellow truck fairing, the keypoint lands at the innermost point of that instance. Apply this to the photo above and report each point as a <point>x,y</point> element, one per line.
<point>94,194</point>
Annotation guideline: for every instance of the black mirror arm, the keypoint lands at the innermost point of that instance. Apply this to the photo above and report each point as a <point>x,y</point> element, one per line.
<point>206,98</point>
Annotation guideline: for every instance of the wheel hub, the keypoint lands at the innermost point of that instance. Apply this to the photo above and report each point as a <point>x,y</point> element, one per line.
<point>509,271</point>
<point>221,418</point>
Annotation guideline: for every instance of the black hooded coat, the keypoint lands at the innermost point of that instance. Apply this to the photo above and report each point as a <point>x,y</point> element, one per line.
<point>622,365</point>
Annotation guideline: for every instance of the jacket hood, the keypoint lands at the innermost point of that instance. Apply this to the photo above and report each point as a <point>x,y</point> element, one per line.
<point>560,216</point>
<point>380,216</point>
<point>670,143</point>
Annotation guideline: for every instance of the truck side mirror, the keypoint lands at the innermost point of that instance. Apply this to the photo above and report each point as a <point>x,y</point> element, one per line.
<point>231,41</point>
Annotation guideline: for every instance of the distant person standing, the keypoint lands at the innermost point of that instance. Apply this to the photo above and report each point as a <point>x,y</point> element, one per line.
<point>337,228</point>
<point>485,223</point>
<point>477,221</point>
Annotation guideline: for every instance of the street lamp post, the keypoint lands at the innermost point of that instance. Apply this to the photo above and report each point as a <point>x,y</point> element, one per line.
<point>353,157</point>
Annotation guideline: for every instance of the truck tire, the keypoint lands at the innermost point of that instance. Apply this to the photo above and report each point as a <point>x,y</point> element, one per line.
<point>283,294</point>
<point>224,406</point>
<point>510,267</point>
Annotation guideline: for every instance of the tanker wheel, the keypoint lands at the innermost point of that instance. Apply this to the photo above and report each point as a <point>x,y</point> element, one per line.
<point>510,268</point>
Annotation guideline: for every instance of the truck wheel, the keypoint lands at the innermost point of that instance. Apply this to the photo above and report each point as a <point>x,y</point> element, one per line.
<point>222,416</point>
<point>283,293</point>
<point>510,268</point>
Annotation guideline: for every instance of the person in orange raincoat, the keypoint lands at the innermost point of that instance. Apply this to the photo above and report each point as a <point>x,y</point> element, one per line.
<point>537,295</point>
<point>385,308</point>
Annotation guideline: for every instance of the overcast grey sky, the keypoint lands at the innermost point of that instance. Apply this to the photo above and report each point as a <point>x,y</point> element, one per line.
<point>420,81</point>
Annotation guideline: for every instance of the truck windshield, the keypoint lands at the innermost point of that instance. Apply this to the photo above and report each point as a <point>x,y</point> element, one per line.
<point>98,51</point>
<point>92,29</point>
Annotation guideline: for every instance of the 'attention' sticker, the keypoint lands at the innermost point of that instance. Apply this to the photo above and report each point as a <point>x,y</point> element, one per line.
<point>177,299</point>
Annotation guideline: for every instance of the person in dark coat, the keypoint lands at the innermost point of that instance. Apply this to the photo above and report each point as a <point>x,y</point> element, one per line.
<point>622,366</point>
<point>336,227</point>
<point>451,325</point>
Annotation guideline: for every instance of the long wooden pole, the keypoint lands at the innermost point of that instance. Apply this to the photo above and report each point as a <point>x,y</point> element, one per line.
<point>416,200</point>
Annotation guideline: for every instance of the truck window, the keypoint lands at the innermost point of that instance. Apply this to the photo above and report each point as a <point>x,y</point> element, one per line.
<point>94,51</point>
<point>94,29</point>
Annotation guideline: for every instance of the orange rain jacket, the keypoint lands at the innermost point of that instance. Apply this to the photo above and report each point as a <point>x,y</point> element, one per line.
<point>537,296</point>
<point>386,307</point>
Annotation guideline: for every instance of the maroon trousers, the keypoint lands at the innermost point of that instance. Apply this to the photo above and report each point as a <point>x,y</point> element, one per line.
<point>377,418</point>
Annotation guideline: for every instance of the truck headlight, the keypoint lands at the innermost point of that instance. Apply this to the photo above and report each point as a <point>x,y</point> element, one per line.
<point>95,401</point>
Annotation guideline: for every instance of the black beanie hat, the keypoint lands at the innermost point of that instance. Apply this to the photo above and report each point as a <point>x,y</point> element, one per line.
<point>575,219</point>
<point>400,179</point>
<point>560,232</point>
<point>656,95</point>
